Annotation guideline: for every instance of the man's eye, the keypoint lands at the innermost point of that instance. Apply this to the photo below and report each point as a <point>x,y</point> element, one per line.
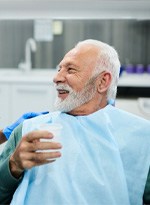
<point>71,70</point>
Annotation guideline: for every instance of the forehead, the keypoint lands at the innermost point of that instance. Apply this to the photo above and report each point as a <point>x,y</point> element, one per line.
<point>85,54</point>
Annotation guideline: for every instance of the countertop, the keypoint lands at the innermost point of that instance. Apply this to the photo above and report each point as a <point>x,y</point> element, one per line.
<point>18,76</point>
<point>134,80</point>
<point>45,76</point>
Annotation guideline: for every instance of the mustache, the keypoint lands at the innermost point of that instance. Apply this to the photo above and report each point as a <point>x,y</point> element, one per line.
<point>63,87</point>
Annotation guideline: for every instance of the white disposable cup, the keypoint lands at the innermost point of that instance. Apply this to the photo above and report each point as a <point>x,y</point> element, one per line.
<point>53,128</point>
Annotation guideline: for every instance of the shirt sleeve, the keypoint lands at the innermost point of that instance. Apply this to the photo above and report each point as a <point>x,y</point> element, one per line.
<point>8,184</point>
<point>146,196</point>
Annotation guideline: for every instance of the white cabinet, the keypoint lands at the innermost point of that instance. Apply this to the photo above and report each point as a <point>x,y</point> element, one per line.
<point>5,104</point>
<point>134,80</point>
<point>18,97</point>
<point>34,97</point>
<point>137,98</point>
<point>140,106</point>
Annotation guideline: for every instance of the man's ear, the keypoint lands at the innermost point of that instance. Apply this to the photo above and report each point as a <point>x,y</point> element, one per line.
<point>104,81</point>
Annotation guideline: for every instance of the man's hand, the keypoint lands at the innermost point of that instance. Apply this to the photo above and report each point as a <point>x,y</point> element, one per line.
<point>27,154</point>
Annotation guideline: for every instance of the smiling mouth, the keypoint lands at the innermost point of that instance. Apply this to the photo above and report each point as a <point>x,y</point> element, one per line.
<point>60,91</point>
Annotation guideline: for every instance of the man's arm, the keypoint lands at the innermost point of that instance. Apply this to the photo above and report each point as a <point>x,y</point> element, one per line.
<point>21,154</point>
<point>8,183</point>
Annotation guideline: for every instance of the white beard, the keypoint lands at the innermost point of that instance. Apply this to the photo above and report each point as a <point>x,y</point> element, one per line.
<point>75,99</point>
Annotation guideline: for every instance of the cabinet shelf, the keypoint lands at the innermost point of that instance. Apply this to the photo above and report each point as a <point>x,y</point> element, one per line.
<point>134,80</point>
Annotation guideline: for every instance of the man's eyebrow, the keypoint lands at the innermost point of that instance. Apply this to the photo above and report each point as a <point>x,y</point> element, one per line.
<point>67,65</point>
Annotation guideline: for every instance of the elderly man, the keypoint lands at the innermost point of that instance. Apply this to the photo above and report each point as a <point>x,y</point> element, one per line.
<point>104,155</point>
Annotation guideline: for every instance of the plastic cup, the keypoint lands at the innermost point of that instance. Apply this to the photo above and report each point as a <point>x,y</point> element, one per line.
<point>55,129</point>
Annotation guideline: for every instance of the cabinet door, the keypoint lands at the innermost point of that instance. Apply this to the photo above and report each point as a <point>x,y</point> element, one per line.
<point>5,105</point>
<point>134,106</point>
<point>34,97</point>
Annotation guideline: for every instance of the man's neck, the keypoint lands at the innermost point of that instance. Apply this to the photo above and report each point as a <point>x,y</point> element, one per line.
<point>87,109</point>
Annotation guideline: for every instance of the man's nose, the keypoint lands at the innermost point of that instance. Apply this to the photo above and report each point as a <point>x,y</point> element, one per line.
<point>59,77</point>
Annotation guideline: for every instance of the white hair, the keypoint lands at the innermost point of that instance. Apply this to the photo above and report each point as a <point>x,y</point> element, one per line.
<point>108,60</point>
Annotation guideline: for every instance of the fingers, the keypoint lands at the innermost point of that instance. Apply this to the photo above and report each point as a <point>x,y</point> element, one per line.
<point>38,145</point>
<point>21,161</point>
<point>41,157</point>
<point>38,158</point>
<point>36,135</point>
<point>32,152</point>
<point>30,164</point>
<point>36,140</point>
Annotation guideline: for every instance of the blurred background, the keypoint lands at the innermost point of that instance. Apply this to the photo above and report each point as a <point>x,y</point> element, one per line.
<point>130,37</point>
<point>35,35</point>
